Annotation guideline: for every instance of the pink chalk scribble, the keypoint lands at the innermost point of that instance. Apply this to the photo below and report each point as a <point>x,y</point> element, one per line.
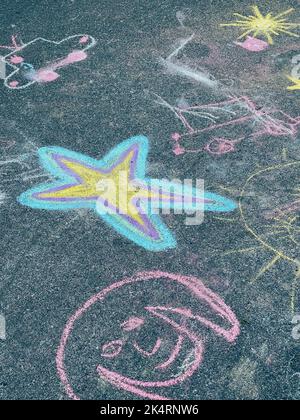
<point>84,39</point>
<point>15,45</point>
<point>210,312</point>
<point>253,44</point>
<point>15,59</point>
<point>132,324</point>
<point>46,76</point>
<point>237,113</point>
<point>14,84</point>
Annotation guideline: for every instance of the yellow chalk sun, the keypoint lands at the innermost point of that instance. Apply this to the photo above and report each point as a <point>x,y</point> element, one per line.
<point>267,25</point>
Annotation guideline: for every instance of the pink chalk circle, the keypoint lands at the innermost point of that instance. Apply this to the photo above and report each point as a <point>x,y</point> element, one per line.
<point>253,44</point>
<point>179,151</point>
<point>14,84</point>
<point>47,76</point>
<point>15,59</point>
<point>176,136</point>
<point>220,146</point>
<point>84,39</point>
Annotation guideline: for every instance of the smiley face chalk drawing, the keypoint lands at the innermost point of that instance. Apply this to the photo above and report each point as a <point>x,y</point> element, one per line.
<point>145,335</point>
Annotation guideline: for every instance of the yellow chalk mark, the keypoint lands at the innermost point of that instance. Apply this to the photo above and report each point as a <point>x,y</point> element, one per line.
<point>296,85</point>
<point>242,251</point>
<point>266,268</point>
<point>266,26</point>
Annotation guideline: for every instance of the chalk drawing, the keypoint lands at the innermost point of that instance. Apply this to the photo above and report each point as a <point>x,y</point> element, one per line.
<point>2,197</point>
<point>25,60</point>
<point>218,121</point>
<point>269,211</point>
<point>180,318</point>
<point>17,155</point>
<point>2,327</point>
<point>15,44</point>
<point>182,16</point>
<point>296,329</point>
<point>175,67</point>
<point>295,74</point>
<point>2,68</point>
<point>264,25</point>
<point>296,68</point>
<point>82,182</point>
<point>253,44</point>
<point>295,85</point>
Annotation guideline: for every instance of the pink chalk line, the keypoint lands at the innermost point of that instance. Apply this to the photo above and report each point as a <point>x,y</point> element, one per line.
<point>15,46</point>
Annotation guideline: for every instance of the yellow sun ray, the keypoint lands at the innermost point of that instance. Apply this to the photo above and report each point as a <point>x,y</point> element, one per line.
<point>289,33</point>
<point>266,268</point>
<point>287,12</point>
<point>245,34</point>
<point>265,26</point>
<point>257,12</point>
<point>244,17</point>
<point>242,251</point>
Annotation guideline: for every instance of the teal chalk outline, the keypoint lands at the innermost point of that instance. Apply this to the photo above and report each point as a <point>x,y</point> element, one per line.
<point>123,227</point>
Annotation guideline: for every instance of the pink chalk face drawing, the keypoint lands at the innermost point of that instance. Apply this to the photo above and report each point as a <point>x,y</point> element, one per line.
<point>41,60</point>
<point>218,128</point>
<point>144,336</point>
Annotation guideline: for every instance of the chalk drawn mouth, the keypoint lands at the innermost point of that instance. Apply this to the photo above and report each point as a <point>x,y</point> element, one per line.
<point>165,314</point>
<point>140,387</point>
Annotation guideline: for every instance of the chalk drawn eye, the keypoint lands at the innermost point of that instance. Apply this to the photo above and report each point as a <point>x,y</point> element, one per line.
<point>132,324</point>
<point>112,349</point>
